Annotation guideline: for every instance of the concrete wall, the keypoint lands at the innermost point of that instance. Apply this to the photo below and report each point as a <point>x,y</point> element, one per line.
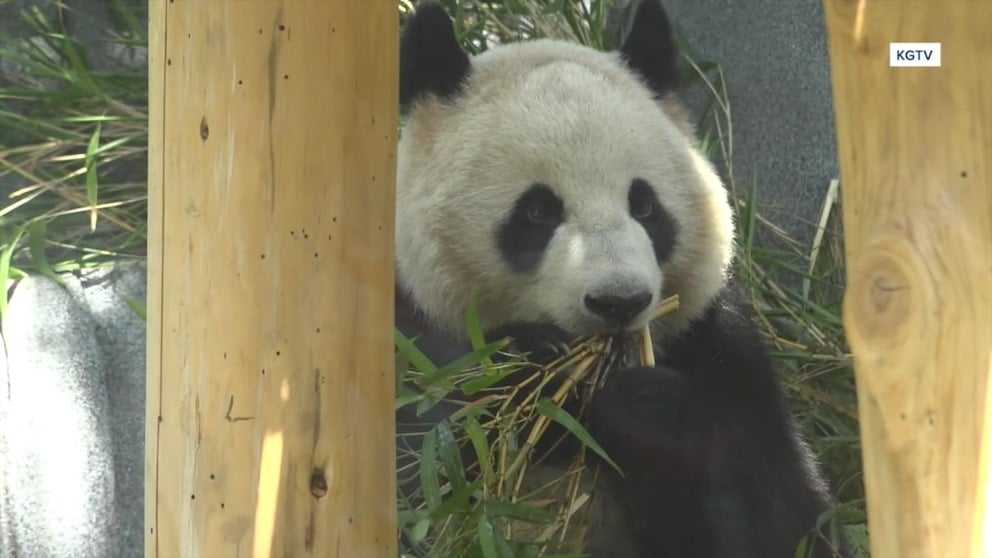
<point>774,57</point>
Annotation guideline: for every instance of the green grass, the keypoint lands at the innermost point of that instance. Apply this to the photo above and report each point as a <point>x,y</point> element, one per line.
<point>73,145</point>
<point>72,158</point>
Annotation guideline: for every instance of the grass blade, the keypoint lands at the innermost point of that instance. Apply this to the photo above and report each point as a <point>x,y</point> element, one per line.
<point>91,174</point>
<point>559,415</point>
<point>36,243</point>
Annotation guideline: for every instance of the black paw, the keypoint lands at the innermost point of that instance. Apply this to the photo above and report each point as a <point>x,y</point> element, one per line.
<point>540,343</point>
<point>642,408</point>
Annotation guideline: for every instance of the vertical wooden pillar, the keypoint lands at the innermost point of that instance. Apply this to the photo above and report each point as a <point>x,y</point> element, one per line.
<point>270,358</point>
<point>915,146</point>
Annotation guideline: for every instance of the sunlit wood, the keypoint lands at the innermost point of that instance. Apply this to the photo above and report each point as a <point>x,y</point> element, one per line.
<point>915,148</point>
<point>270,303</point>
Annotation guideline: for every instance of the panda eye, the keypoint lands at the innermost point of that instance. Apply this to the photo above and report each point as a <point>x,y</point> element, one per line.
<point>539,207</point>
<point>538,215</point>
<point>641,210</point>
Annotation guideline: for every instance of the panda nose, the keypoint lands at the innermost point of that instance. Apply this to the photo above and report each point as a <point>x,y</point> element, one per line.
<point>619,309</point>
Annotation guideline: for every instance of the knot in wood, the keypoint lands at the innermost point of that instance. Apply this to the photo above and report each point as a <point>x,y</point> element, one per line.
<point>318,484</point>
<point>886,295</point>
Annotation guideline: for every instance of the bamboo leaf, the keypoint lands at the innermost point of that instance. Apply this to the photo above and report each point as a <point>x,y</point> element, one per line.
<point>559,415</point>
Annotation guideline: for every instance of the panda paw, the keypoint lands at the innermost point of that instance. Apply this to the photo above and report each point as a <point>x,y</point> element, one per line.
<point>642,407</point>
<point>541,343</point>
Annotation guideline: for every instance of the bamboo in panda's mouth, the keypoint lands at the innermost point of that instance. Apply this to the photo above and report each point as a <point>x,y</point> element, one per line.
<point>612,348</point>
<point>590,361</point>
<point>592,357</point>
<point>586,365</point>
<point>666,307</point>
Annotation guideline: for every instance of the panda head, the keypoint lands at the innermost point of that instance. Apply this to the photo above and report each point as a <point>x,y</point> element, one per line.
<point>556,182</point>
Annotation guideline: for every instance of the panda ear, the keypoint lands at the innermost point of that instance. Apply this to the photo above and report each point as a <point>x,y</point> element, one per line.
<point>431,60</point>
<point>650,49</point>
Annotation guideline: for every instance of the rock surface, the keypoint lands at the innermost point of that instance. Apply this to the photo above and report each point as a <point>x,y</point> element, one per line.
<point>72,396</point>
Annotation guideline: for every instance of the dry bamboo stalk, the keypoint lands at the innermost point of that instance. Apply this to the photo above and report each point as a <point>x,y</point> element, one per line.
<point>584,362</point>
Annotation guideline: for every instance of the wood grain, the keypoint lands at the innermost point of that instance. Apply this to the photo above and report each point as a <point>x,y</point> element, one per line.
<point>915,148</point>
<point>270,352</point>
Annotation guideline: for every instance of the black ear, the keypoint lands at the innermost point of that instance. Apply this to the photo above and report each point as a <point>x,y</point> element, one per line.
<point>650,48</point>
<point>431,60</point>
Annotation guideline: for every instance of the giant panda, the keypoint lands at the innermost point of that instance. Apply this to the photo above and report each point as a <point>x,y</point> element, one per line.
<point>561,189</point>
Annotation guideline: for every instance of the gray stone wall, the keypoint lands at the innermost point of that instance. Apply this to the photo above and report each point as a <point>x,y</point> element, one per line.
<point>775,61</point>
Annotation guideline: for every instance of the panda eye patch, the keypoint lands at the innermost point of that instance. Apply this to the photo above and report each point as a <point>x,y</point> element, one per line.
<point>641,200</point>
<point>641,210</point>
<point>541,206</point>
<point>540,214</point>
<point>660,225</point>
<point>524,235</point>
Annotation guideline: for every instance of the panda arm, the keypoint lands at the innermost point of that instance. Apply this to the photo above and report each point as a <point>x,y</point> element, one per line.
<point>710,456</point>
<point>543,342</point>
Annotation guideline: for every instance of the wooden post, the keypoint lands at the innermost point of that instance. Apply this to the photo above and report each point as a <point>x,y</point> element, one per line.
<point>270,348</point>
<point>915,148</point>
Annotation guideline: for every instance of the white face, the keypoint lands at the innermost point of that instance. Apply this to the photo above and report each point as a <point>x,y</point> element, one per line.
<point>615,200</point>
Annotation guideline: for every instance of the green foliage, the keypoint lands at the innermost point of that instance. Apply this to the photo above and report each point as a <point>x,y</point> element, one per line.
<point>73,143</point>
<point>461,509</point>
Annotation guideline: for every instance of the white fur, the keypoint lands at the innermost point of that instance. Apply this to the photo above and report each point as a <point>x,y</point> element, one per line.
<point>577,120</point>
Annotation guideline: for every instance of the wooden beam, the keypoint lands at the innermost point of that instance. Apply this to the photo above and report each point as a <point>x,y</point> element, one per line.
<point>915,148</point>
<point>270,303</point>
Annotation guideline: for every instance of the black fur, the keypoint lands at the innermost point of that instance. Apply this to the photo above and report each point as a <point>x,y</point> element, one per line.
<point>650,50</point>
<point>659,223</point>
<point>707,433</point>
<point>431,60</point>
